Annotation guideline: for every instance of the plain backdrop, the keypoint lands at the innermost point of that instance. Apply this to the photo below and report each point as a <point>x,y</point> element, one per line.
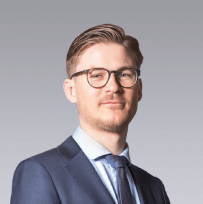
<point>165,137</point>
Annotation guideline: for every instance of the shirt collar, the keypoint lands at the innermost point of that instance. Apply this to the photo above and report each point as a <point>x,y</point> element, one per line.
<point>92,148</point>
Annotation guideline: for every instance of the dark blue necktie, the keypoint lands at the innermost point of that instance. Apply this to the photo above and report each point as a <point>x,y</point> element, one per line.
<point>119,163</point>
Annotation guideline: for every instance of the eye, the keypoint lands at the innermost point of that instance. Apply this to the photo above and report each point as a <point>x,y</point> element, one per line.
<point>124,75</point>
<point>96,75</point>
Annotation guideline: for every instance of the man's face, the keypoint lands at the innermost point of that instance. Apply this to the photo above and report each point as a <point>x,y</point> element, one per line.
<point>112,107</point>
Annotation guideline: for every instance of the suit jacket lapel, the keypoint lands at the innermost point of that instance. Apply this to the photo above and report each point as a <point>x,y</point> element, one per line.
<point>84,173</point>
<point>142,185</point>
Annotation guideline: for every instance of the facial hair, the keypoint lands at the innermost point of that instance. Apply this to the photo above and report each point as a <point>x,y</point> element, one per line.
<point>107,119</point>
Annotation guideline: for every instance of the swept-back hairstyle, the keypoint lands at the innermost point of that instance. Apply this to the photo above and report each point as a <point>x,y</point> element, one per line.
<point>101,34</point>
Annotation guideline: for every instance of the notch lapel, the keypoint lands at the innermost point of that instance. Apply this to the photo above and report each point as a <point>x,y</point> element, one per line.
<point>84,173</point>
<point>142,185</point>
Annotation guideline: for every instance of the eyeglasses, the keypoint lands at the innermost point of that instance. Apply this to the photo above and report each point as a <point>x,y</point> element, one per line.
<point>99,77</point>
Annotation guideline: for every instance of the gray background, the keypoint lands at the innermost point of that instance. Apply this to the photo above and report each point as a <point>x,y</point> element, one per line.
<point>165,136</point>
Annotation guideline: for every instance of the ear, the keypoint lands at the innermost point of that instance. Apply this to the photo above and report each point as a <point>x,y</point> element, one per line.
<point>69,89</point>
<point>140,90</point>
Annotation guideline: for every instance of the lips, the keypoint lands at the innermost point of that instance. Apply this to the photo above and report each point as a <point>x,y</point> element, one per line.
<point>110,102</point>
<point>113,104</point>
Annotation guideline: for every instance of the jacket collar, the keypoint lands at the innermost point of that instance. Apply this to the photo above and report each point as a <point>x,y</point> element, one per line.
<point>86,177</point>
<point>83,172</point>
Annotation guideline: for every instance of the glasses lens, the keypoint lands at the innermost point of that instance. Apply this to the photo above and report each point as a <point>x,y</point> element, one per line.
<point>127,77</point>
<point>97,77</point>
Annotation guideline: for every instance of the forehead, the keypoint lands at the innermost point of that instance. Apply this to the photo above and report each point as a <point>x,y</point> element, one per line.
<point>111,56</point>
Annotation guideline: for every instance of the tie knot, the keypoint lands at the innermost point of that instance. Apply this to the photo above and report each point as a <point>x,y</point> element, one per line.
<point>117,161</point>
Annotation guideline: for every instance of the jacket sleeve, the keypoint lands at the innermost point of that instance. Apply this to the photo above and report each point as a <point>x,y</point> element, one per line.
<point>32,184</point>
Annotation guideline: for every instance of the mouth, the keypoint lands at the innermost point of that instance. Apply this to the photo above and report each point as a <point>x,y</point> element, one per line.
<point>113,104</point>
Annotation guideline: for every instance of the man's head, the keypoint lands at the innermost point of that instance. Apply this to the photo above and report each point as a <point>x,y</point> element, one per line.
<point>101,34</point>
<point>112,106</point>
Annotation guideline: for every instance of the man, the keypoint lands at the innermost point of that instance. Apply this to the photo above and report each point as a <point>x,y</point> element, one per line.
<point>93,165</point>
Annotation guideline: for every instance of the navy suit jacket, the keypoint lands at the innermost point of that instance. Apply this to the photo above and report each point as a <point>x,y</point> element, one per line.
<point>64,175</point>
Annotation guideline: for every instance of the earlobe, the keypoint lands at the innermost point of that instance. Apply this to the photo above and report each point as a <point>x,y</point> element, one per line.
<point>69,89</point>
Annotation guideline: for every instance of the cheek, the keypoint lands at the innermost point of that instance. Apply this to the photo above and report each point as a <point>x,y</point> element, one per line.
<point>132,99</point>
<point>88,97</point>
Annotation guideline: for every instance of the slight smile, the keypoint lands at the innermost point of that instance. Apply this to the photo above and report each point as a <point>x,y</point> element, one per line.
<point>113,103</point>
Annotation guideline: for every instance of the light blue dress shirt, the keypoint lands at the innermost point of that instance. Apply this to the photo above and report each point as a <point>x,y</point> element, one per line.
<point>95,152</point>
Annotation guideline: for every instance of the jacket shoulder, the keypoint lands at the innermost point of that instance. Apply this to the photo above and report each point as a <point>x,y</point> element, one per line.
<point>33,177</point>
<point>44,156</point>
<point>144,174</point>
<point>155,184</point>
<point>54,155</point>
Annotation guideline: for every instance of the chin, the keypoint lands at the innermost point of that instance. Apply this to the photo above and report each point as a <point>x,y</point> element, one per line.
<point>114,128</point>
<point>113,125</point>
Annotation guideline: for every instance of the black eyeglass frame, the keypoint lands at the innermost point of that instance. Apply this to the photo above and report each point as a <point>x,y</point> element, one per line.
<point>109,75</point>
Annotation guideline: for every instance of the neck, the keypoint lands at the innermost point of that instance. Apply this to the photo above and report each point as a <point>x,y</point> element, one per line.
<point>115,141</point>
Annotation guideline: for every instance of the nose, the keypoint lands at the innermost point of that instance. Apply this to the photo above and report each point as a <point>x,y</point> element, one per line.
<point>112,85</point>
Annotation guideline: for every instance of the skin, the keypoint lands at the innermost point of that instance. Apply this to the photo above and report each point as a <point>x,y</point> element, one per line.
<point>106,112</point>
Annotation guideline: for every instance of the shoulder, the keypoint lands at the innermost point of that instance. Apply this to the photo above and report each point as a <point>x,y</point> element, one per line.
<point>51,160</point>
<point>142,174</point>
<point>53,156</point>
<point>145,177</point>
<point>44,157</point>
<point>33,176</point>
<point>37,164</point>
<point>155,184</point>
<point>46,160</point>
